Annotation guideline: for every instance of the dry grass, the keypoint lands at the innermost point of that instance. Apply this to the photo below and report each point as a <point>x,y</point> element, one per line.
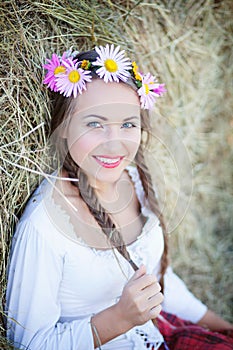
<point>189,44</point>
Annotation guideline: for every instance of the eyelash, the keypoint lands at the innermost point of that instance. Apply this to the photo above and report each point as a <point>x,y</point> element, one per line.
<point>93,125</point>
<point>132,125</point>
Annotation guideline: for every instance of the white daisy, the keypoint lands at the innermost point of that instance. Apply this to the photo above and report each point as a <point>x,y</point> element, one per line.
<point>114,66</point>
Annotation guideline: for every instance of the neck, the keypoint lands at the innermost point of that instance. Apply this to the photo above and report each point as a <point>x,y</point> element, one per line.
<point>107,192</point>
<point>115,196</point>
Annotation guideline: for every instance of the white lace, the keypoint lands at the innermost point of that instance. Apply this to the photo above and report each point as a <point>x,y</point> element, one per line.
<point>62,219</point>
<point>146,336</point>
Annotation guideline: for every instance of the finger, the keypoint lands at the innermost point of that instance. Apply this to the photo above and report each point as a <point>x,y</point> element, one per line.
<point>145,281</point>
<point>151,290</point>
<point>154,312</point>
<point>155,300</point>
<point>139,273</point>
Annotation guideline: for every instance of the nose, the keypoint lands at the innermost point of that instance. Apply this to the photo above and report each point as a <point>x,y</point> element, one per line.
<point>113,139</point>
<point>113,132</point>
<point>113,147</point>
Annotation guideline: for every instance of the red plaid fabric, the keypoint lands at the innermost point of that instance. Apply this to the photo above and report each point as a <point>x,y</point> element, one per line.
<point>184,335</point>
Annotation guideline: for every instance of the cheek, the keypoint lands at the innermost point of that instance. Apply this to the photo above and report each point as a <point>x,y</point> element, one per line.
<point>135,141</point>
<point>81,147</point>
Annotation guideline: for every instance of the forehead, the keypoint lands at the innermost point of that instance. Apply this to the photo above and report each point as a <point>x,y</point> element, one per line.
<point>101,94</point>
<point>113,111</point>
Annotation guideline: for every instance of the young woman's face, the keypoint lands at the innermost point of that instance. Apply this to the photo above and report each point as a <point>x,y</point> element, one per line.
<point>104,130</point>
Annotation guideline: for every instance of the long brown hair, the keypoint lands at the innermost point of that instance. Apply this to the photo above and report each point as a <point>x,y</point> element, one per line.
<point>62,107</point>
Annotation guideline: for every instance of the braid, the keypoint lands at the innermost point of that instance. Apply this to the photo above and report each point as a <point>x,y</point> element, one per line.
<point>150,195</point>
<point>104,220</point>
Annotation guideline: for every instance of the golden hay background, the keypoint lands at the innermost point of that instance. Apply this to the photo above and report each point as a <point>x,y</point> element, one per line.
<point>189,44</point>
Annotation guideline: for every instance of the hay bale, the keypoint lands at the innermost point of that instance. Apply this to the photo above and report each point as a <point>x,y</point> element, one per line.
<point>190,45</point>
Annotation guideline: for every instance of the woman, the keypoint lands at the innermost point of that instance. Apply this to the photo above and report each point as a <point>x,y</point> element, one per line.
<point>89,263</point>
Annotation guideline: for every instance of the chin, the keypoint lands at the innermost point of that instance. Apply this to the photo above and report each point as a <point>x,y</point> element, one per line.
<point>108,175</point>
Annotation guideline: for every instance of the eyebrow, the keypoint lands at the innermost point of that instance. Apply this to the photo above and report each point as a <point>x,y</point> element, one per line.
<point>105,119</point>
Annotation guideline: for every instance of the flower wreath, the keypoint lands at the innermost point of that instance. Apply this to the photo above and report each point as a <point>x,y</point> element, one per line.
<point>69,76</point>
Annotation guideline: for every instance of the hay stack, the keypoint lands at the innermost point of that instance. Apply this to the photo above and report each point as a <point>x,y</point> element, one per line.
<point>189,45</point>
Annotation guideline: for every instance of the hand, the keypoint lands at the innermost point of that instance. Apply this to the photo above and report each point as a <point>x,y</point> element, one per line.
<point>141,299</point>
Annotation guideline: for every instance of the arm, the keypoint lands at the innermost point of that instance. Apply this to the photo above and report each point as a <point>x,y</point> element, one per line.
<point>34,309</point>
<point>180,301</point>
<point>214,322</point>
<point>140,302</point>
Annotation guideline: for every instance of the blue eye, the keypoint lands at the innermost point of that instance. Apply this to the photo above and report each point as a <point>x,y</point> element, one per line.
<point>94,125</point>
<point>128,125</point>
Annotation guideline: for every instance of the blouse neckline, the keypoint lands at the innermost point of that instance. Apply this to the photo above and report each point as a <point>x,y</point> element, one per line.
<point>63,216</point>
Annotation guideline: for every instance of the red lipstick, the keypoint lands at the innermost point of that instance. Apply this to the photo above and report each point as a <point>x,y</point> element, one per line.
<point>108,161</point>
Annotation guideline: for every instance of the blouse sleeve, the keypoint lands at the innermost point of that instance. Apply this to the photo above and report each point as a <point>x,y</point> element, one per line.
<point>179,300</point>
<point>33,308</point>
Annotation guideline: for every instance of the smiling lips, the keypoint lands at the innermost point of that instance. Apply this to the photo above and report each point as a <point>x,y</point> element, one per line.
<point>108,161</point>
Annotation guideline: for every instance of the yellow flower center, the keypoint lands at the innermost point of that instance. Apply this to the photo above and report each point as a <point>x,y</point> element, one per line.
<point>146,89</point>
<point>59,69</point>
<point>74,76</point>
<point>111,65</point>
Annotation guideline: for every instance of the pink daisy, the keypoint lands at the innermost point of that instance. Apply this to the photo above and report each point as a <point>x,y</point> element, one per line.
<point>160,89</point>
<point>146,92</point>
<point>54,67</point>
<point>73,81</point>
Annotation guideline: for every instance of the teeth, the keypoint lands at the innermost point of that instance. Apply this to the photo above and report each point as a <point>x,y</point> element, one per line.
<point>108,160</point>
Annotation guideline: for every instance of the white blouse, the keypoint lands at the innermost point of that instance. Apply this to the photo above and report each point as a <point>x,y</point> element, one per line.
<point>56,282</point>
